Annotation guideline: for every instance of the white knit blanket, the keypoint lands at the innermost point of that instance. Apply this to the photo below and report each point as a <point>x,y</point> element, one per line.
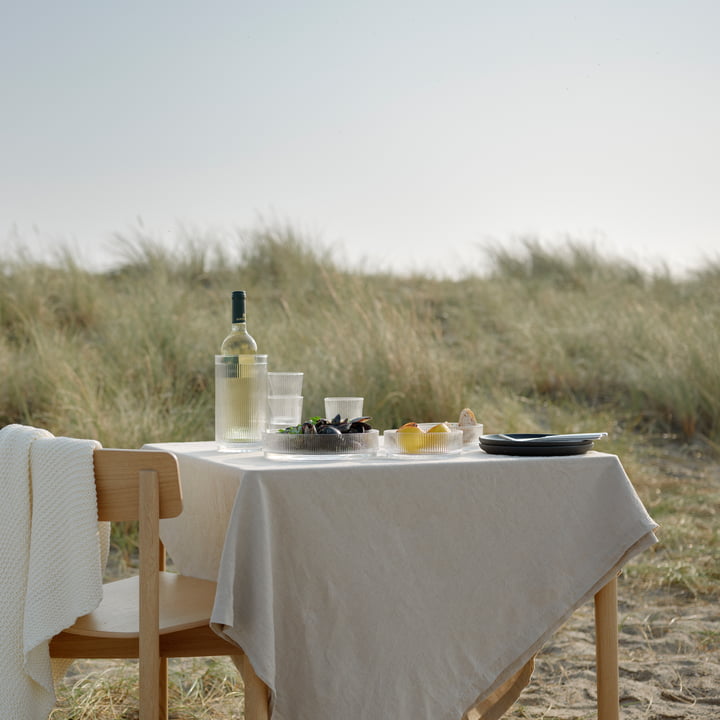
<point>53,552</point>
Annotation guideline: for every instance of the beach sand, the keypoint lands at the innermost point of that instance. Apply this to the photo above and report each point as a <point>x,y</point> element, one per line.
<point>669,656</point>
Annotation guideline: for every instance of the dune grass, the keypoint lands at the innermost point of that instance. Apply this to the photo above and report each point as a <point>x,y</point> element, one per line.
<point>199,689</point>
<point>545,341</point>
<point>126,356</point>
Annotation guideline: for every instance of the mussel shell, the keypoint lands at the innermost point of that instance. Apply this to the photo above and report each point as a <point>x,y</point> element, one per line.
<point>308,428</point>
<point>358,426</point>
<point>328,430</point>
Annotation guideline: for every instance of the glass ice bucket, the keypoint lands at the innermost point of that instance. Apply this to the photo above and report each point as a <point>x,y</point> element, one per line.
<point>240,401</point>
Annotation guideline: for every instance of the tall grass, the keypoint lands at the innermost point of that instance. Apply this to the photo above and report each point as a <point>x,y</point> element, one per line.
<point>126,356</point>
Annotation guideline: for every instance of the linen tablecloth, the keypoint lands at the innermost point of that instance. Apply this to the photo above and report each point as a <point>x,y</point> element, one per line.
<point>399,588</point>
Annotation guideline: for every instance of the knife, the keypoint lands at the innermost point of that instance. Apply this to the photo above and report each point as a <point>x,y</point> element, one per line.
<point>554,438</point>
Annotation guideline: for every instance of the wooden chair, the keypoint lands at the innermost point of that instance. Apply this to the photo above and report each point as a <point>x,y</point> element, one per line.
<point>157,614</point>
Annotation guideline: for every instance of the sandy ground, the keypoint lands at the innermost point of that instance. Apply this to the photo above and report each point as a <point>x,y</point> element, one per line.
<point>669,664</point>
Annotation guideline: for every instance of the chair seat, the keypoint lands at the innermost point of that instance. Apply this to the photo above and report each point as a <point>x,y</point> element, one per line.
<point>185,603</point>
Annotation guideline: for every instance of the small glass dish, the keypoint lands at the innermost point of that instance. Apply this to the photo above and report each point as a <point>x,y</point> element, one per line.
<point>424,443</point>
<point>471,433</point>
<point>289,444</point>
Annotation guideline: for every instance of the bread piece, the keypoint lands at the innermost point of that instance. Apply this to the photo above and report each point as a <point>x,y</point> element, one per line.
<point>467,418</point>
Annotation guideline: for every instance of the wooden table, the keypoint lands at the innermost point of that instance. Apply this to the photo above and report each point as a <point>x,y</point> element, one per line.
<point>252,518</point>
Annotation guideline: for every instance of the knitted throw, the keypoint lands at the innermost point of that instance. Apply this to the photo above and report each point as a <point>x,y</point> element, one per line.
<point>51,558</point>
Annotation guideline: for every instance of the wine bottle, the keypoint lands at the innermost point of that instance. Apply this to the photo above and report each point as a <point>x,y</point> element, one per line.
<point>240,386</point>
<point>239,341</point>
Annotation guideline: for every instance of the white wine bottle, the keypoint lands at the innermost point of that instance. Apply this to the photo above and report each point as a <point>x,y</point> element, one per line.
<point>239,341</point>
<point>240,386</point>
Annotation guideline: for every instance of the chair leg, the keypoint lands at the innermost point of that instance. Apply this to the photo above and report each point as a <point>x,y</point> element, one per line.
<point>163,660</point>
<point>149,689</point>
<point>149,640</point>
<point>163,685</point>
<point>256,692</point>
<point>606,649</point>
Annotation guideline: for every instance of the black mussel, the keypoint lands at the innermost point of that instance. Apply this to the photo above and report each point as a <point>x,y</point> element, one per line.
<point>328,430</point>
<point>343,427</point>
<point>308,428</point>
<point>337,420</point>
<point>359,425</point>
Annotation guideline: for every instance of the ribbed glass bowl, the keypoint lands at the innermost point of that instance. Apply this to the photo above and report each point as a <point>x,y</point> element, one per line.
<point>471,433</point>
<point>425,443</point>
<point>287,445</point>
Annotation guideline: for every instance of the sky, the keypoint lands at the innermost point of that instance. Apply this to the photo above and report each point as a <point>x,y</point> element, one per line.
<point>403,135</point>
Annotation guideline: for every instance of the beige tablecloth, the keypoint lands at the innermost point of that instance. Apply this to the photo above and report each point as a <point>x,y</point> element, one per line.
<point>390,588</point>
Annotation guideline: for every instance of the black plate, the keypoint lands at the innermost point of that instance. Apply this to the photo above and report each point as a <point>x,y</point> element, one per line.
<point>534,450</point>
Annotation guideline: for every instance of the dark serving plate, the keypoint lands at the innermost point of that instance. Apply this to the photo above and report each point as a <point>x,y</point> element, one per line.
<point>533,444</point>
<point>537,450</point>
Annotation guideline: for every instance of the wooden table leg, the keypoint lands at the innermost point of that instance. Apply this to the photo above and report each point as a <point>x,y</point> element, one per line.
<point>606,652</point>
<point>257,696</point>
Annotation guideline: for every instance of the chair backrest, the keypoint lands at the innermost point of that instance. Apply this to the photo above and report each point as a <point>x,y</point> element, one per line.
<point>117,481</point>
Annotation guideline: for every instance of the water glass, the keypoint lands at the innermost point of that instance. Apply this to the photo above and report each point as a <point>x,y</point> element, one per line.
<point>285,383</point>
<point>284,411</point>
<point>346,407</point>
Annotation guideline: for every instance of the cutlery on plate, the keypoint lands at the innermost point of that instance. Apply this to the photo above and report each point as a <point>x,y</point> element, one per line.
<point>553,438</point>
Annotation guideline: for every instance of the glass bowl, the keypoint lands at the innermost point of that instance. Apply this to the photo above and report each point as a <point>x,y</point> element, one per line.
<point>287,444</point>
<point>471,433</point>
<point>425,443</point>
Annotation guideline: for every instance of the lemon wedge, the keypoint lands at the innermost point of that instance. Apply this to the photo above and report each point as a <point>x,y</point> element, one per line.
<point>439,428</point>
<point>410,437</point>
<point>431,441</point>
